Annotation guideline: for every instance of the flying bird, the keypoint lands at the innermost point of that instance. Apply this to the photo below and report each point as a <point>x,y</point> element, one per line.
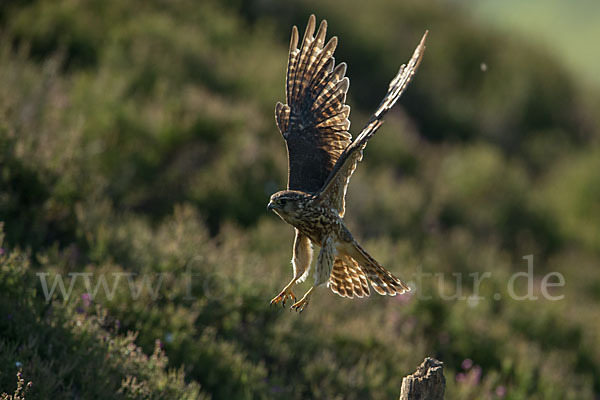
<point>321,159</point>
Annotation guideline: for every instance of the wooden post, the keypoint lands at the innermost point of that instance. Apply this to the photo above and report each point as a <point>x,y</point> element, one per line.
<point>427,383</point>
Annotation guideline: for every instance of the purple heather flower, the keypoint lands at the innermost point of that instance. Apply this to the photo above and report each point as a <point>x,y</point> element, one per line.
<point>467,364</point>
<point>501,391</point>
<point>476,371</point>
<point>86,299</point>
<point>460,377</point>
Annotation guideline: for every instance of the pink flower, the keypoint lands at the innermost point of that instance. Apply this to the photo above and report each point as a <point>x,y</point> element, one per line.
<point>501,391</point>
<point>404,298</point>
<point>467,364</point>
<point>460,377</point>
<point>476,372</point>
<point>86,299</point>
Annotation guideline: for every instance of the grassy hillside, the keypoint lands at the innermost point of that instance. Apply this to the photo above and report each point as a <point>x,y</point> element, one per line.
<point>137,143</point>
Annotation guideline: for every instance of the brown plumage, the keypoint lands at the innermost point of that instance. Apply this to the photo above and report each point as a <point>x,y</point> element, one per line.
<point>314,122</point>
<point>321,160</point>
<point>348,279</point>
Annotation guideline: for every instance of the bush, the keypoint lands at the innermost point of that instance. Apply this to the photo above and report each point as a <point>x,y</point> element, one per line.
<point>137,141</point>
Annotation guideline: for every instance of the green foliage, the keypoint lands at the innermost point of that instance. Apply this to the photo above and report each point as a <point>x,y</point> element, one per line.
<point>137,145</point>
<point>67,351</point>
<point>572,192</point>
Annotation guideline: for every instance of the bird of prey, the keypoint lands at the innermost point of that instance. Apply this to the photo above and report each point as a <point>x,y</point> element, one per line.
<point>321,159</point>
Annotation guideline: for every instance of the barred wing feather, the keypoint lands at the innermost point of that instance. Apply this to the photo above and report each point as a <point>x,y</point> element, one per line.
<point>333,192</point>
<point>314,122</point>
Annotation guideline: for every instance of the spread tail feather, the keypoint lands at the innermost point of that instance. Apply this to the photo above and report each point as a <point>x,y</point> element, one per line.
<point>380,278</point>
<point>347,278</point>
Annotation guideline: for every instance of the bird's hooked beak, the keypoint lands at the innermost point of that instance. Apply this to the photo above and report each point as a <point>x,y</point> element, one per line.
<point>271,206</point>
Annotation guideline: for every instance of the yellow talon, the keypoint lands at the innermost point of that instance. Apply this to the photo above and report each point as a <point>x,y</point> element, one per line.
<point>283,296</point>
<point>300,305</point>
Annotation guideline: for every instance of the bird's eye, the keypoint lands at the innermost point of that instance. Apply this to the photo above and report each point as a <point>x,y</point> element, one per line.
<point>282,201</point>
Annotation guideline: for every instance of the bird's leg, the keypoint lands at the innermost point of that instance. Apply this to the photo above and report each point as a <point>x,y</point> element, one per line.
<point>322,271</point>
<point>303,302</point>
<point>302,256</point>
<point>285,294</point>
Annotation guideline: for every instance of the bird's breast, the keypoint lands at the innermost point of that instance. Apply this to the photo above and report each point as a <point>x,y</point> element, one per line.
<point>319,222</point>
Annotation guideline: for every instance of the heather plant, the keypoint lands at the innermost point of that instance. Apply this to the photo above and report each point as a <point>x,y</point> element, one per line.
<point>137,154</point>
<point>20,391</point>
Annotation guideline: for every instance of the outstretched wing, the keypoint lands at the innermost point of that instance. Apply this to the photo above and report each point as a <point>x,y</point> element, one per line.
<point>333,192</point>
<point>314,122</point>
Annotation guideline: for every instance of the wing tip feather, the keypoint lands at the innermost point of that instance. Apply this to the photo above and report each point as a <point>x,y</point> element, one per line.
<point>294,39</point>
<point>310,29</point>
<point>322,32</point>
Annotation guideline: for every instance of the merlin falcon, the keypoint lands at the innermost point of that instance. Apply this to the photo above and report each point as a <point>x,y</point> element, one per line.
<point>321,159</point>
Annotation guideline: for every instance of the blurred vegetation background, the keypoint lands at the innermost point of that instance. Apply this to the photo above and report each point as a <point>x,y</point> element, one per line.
<point>138,137</point>
<point>568,30</point>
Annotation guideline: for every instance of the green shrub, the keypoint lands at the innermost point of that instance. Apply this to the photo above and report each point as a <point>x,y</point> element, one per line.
<point>137,140</point>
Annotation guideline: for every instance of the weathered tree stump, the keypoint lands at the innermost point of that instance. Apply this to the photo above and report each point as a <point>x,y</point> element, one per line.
<point>427,383</point>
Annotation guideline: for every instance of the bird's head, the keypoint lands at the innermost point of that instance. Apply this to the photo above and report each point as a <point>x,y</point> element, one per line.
<point>288,203</point>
